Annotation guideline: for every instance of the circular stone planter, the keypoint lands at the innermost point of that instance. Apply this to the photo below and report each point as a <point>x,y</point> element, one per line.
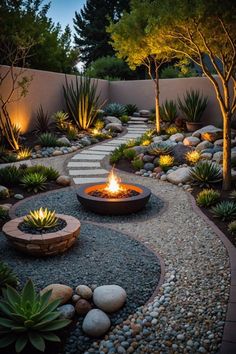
<point>47,244</point>
<point>113,206</point>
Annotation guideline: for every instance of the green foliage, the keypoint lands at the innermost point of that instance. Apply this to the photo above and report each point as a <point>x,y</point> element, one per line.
<point>193,156</point>
<point>90,25</point>
<point>28,317</point>
<point>130,109</point>
<point>115,109</point>
<point>99,124</point>
<point>172,130</point>
<point>72,132</point>
<point>117,154</point>
<point>24,153</point>
<point>124,119</point>
<point>41,219</point>
<point>137,163</point>
<point>160,148</point>
<point>168,111</point>
<point>34,182</point>
<point>193,105</point>
<point>3,212</point>
<point>225,210</point>
<point>206,173</point>
<point>7,277</point>
<point>232,227</point>
<point>129,153</point>
<point>49,172</point>
<point>82,101</point>
<point>6,155</point>
<point>109,67</point>
<point>207,197</point>
<point>170,72</point>
<point>48,140</point>
<point>42,124</point>
<point>166,162</point>
<point>10,176</point>
<point>61,119</point>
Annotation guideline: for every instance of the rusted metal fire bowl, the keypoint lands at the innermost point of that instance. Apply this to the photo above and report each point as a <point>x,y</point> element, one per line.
<point>113,206</point>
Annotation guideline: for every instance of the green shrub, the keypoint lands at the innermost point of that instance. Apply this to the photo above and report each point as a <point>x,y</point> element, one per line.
<point>115,109</point>
<point>160,148</point>
<point>82,101</point>
<point>7,156</point>
<point>169,72</point>
<point>224,210</point>
<point>232,227</point>
<point>71,132</point>
<point>61,120</point>
<point>42,124</point>
<point>130,109</point>
<point>129,154</point>
<point>205,173</point>
<point>49,172</point>
<point>193,105</point>
<point>137,163</point>
<point>168,111</point>
<point>208,197</point>
<point>34,182</point>
<point>10,176</point>
<point>3,213</point>
<point>99,124</point>
<point>124,119</point>
<point>117,154</point>
<point>28,317</point>
<point>7,277</point>
<point>48,140</point>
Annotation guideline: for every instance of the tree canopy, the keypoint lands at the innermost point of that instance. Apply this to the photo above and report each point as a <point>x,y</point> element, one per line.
<point>25,24</point>
<point>90,25</point>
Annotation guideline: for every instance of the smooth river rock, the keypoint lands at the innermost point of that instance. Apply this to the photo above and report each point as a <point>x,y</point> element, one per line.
<point>59,291</point>
<point>96,323</point>
<point>109,298</point>
<point>84,291</point>
<point>66,311</point>
<point>179,176</point>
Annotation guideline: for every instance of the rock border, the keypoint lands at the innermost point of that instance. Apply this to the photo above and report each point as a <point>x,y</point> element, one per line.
<point>48,244</point>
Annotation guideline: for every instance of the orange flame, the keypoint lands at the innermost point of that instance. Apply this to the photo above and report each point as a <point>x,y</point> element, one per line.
<point>113,185</point>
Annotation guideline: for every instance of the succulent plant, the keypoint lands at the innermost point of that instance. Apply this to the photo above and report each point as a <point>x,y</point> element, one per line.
<point>130,109</point>
<point>115,109</point>
<point>7,276</point>
<point>137,163</point>
<point>34,182</point>
<point>206,173</point>
<point>225,210</point>
<point>129,153</point>
<point>208,197</point>
<point>43,123</point>
<point>168,111</point>
<point>166,161</point>
<point>172,130</point>
<point>117,154</point>
<point>61,119</point>
<point>48,140</point>
<point>28,317</point>
<point>232,227</point>
<point>193,156</point>
<point>24,153</point>
<point>160,148</point>
<point>124,119</point>
<point>41,219</point>
<point>71,132</point>
<point>10,176</point>
<point>193,105</point>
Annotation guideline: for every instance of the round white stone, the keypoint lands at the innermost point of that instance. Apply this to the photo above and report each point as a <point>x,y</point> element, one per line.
<point>109,298</point>
<point>96,323</point>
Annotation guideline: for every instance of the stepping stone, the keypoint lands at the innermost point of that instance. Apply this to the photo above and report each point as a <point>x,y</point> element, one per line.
<point>139,126</point>
<point>93,172</point>
<point>89,152</point>
<point>138,119</point>
<point>82,180</point>
<point>83,164</point>
<point>88,157</point>
<point>132,136</point>
<point>103,148</point>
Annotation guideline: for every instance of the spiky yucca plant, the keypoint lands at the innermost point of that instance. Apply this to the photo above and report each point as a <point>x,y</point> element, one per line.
<point>82,101</point>
<point>168,111</point>
<point>41,219</point>
<point>130,109</point>
<point>34,182</point>
<point>206,173</point>
<point>225,210</point>
<point>28,317</point>
<point>7,276</point>
<point>208,197</point>
<point>193,105</point>
<point>160,148</point>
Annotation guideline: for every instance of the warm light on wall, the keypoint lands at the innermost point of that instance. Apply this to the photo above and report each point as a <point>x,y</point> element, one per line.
<point>21,122</point>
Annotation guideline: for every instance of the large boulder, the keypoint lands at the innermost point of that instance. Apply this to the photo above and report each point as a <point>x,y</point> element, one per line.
<point>109,298</point>
<point>111,119</point>
<point>59,292</point>
<point>4,192</point>
<point>217,132</point>
<point>115,127</point>
<point>177,137</point>
<point>144,113</point>
<point>179,152</point>
<point>191,141</point>
<point>64,141</point>
<point>218,157</point>
<point>204,145</point>
<point>149,166</point>
<point>96,323</point>
<point>181,175</point>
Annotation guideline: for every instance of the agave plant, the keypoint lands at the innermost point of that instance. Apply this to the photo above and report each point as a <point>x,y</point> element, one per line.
<point>82,101</point>
<point>193,105</point>
<point>28,317</point>
<point>34,182</point>
<point>61,119</point>
<point>160,148</point>
<point>10,176</point>
<point>225,210</point>
<point>43,123</point>
<point>48,140</point>
<point>41,219</point>
<point>24,153</point>
<point>130,109</point>
<point>7,276</point>
<point>206,173</point>
<point>115,109</point>
<point>168,111</point>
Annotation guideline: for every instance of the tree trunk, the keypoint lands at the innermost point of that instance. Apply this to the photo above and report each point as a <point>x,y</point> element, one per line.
<point>226,151</point>
<point>157,106</point>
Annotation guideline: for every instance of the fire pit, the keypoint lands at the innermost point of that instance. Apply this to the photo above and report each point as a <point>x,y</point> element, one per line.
<point>113,197</point>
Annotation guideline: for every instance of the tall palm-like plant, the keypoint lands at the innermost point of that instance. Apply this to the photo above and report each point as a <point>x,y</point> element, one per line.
<point>82,101</point>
